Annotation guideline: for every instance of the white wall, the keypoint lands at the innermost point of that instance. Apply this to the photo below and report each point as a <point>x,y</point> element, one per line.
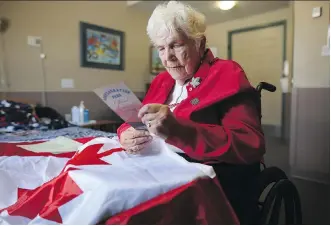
<point>309,67</point>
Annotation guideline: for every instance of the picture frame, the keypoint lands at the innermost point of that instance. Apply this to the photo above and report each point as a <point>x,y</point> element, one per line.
<point>156,66</point>
<point>101,47</point>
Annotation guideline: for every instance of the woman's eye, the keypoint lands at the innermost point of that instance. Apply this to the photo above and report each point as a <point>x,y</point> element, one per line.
<point>179,43</point>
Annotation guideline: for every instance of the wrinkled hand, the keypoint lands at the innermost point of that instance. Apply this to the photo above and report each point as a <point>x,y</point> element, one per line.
<point>134,140</point>
<point>158,118</point>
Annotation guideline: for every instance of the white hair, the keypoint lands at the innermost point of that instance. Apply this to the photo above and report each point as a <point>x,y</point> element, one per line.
<point>175,17</point>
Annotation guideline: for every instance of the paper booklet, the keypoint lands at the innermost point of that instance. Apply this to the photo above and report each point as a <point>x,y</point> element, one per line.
<point>123,102</point>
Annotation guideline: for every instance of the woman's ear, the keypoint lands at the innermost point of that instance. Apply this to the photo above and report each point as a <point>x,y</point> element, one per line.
<point>202,46</point>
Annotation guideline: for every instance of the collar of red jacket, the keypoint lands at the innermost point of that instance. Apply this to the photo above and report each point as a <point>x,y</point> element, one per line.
<point>207,60</point>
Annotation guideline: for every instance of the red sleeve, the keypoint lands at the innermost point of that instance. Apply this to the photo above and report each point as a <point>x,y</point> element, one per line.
<point>237,140</point>
<point>122,128</point>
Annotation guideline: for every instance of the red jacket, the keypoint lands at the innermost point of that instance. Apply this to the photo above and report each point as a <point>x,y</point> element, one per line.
<point>222,123</point>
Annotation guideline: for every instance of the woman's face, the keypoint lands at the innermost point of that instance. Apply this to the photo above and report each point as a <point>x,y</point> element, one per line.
<point>179,55</point>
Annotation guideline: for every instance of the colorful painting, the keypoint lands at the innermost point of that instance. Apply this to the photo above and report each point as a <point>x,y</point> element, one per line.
<point>101,47</point>
<point>156,64</point>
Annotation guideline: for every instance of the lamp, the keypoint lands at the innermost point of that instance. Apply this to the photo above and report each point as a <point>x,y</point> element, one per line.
<point>226,5</point>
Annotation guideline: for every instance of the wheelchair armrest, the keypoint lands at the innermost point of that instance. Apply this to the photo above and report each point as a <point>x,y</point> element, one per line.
<point>267,86</point>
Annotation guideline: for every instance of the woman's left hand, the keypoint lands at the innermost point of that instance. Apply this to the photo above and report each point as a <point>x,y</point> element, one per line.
<point>158,118</point>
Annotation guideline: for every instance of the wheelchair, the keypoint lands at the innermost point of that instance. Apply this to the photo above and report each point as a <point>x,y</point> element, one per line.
<point>280,187</point>
<point>245,186</point>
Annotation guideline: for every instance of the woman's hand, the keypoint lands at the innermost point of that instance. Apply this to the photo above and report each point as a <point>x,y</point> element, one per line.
<point>134,140</point>
<point>158,118</point>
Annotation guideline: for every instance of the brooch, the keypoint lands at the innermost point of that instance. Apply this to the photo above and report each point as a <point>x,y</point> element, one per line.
<point>195,82</point>
<point>195,101</point>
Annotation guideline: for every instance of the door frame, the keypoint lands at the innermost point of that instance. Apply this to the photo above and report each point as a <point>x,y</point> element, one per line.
<point>282,23</point>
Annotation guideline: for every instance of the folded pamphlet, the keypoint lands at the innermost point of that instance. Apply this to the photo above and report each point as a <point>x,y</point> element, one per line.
<point>123,102</point>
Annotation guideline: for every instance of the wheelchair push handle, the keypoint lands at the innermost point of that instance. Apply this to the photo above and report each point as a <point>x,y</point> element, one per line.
<point>267,86</point>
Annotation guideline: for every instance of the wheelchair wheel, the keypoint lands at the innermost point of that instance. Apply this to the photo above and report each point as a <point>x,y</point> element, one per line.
<point>268,176</point>
<point>281,190</point>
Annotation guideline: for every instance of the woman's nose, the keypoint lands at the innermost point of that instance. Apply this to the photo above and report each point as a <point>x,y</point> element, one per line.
<point>169,54</point>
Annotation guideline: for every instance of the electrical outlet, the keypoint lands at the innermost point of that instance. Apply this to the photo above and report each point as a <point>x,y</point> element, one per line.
<point>67,83</point>
<point>34,41</point>
<point>325,50</point>
<point>317,12</point>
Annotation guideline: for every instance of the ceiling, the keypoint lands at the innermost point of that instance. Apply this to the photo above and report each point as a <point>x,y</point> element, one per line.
<point>214,14</point>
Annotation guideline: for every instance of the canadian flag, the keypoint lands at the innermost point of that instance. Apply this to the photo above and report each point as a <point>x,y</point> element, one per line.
<point>99,181</point>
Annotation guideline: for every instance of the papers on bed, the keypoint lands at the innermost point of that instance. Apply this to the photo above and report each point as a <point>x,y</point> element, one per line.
<point>56,146</point>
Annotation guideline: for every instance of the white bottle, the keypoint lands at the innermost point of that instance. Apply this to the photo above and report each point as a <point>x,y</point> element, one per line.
<point>81,112</point>
<point>75,115</point>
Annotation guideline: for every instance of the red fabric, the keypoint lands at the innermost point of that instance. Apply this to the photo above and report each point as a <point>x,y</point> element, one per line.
<point>122,128</point>
<point>199,202</point>
<point>46,199</point>
<point>233,136</point>
<point>11,149</point>
<point>91,156</point>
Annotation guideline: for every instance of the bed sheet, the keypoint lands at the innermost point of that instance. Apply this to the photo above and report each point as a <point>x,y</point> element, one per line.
<point>37,135</point>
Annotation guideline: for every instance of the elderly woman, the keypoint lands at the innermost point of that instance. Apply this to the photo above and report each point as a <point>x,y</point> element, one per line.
<point>202,106</point>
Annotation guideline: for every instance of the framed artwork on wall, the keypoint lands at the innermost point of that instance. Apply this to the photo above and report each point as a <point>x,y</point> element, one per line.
<point>155,62</point>
<point>101,47</point>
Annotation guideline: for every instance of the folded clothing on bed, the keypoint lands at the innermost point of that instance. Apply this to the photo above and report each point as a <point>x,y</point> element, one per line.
<point>19,116</point>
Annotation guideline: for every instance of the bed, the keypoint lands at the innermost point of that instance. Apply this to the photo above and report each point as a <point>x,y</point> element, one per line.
<point>73,132</point>
<point>99,183</point>
<point>25,120</point>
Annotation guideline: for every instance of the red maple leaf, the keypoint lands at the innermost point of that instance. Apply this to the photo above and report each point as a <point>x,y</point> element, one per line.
<point>90,156</point>
<point>22,191</point>
<point>46,199</point>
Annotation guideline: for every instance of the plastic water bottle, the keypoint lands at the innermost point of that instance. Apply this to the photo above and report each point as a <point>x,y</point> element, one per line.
<point>75,115</point>
<point>86,115</point>
<point>81,112</point>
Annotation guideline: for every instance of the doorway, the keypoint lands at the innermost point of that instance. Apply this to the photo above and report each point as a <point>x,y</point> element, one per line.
<point>261,51</point>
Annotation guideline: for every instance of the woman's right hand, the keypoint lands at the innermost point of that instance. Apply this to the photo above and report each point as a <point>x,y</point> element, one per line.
<point>134,140</point>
